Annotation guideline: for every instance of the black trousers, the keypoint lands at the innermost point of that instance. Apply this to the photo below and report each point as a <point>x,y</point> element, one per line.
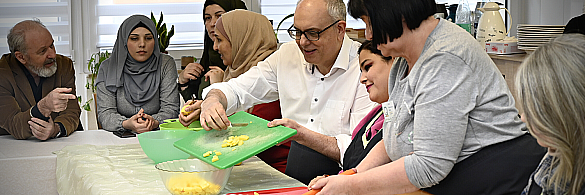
<point>502,168</point>
<point>304,163</point>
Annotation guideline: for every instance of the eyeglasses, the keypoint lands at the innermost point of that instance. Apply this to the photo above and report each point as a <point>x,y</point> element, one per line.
<point>311,35</point>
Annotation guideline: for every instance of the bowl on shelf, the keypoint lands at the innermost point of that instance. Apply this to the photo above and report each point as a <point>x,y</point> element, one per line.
<point>192,176</point>
<point>158,145</point>
<point>174,124</point>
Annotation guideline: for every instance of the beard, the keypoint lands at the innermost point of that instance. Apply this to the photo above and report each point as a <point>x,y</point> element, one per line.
<point>43,71</point>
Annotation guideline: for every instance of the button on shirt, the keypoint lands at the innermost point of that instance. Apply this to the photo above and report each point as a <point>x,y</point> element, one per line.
<point>331,104</point>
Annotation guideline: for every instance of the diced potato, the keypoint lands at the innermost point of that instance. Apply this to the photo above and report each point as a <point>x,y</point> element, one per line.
<point>215,158</point>
<point>234,141</point>
<point>217,153</point>
<point>187,184</point>
<point>208,153</point>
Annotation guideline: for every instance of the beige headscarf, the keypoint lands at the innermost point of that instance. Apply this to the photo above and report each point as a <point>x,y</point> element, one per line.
<point>252,39</point>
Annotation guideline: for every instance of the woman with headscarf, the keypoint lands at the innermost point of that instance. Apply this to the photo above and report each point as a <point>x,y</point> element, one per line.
<point>191,77</point>
<point>244,38</point>
<point>136,86</point>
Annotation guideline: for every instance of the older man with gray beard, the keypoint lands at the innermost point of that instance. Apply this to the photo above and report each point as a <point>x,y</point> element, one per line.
<point>37,86</point>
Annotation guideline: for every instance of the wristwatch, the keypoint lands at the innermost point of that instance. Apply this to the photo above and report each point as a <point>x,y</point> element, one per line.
<point>183,85</point>
<point>58,133</point>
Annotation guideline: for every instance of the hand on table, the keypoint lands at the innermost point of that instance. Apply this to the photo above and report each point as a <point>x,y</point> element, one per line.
<point>140,122</point>
<point>149,120</point>
<point>55,101</point>
<point>41,129</point>
<point>214,75</point>
<point>195,108</point>
<point>213,115</point>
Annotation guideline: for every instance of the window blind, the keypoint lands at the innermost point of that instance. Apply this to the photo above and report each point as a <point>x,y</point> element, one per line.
<point>186,16</point>
<point>276,10</point>
<point>55,15</point>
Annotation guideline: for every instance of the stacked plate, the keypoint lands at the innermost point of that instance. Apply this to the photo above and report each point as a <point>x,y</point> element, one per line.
<point>532,36</point>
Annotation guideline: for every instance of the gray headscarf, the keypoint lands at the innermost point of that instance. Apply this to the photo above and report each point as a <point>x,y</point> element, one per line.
<point>140,80</point>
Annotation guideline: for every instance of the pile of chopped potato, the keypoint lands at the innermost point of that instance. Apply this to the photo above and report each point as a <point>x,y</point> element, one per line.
<point>191,185</point>
<point>234,141</point>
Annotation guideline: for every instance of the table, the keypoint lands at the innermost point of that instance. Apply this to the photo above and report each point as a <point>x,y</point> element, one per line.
<point>125,169</point>
<point>28,166</point>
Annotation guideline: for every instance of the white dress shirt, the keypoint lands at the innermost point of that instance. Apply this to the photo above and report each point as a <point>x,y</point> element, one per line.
<point>331,104</point>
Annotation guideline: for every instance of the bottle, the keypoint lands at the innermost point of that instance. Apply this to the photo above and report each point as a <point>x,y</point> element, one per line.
<point>478,14</point>
<point>464,16</point>
<point>452,13</point>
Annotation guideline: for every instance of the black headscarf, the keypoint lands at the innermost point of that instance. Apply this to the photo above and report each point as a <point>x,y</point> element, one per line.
<point>210,57</point>
<point>140,80</point>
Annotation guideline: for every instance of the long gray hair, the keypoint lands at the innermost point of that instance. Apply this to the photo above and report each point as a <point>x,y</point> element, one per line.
<point>550,86</point>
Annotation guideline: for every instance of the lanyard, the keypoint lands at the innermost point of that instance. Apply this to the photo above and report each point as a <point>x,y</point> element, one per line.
<point>365,139</point>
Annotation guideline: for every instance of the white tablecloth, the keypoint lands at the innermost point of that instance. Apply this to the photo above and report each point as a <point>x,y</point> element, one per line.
<point>125,169</point>
<point>28,166</point>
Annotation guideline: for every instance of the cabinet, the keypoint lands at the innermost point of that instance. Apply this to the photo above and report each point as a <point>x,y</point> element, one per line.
<point>508,65</point>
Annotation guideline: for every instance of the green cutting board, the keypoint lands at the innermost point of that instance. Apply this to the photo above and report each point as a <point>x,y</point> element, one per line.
<point>261,138</point>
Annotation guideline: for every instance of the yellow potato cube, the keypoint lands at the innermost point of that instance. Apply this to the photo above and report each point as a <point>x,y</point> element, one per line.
<point>208,153</point>
<point>217,153</point>
<point>215,158</point>
<point>244,137</point>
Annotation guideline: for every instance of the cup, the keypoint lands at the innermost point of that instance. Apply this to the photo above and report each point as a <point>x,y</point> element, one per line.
<point>185,60</point>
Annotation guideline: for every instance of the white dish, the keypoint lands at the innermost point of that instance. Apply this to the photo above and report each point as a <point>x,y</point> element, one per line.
<point>541,25</point>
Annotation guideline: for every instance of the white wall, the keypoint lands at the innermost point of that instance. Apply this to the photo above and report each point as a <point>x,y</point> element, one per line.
<point>544,12</point>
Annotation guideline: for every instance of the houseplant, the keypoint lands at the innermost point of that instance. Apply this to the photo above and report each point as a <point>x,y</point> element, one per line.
<point>93,66</point>
<point>161,28</point>
<point>278,27</point>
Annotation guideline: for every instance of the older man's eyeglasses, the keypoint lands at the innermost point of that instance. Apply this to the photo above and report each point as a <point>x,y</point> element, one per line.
<point>311,35</point>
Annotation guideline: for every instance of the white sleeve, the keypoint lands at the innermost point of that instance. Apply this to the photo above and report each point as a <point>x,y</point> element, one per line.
<point>257,85</point>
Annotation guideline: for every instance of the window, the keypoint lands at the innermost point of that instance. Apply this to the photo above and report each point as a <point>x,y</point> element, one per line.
<point>276,10</point>
<point>186,15</point>
<point>55,15</point>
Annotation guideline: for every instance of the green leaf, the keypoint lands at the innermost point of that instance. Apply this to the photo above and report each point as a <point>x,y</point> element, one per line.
<point>79,99</point>
<point>152,18</point>
<point>87,106</point>
<point>171,33</point>
<point>278,27</point>
<point>160,21</point>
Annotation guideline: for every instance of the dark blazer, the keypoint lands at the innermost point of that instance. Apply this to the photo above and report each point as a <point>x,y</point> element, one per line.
<point>17,99</point>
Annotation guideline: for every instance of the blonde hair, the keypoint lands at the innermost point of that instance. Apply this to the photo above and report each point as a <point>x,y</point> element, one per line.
<point>550,86</point>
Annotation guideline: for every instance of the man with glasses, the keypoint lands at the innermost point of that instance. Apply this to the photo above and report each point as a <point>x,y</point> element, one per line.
<point>317,82</point>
